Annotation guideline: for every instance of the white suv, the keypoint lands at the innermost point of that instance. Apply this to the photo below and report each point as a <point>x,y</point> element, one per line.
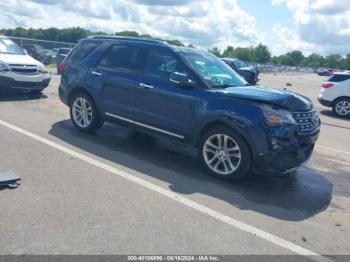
<point>19,71</point>
<point>335,93</point>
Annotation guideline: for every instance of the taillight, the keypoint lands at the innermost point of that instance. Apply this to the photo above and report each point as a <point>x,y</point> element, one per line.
<point>327,85</point>
<point>62,66</point>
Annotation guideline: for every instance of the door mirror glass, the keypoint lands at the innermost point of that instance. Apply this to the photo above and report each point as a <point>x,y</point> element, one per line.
<point>181,79</point>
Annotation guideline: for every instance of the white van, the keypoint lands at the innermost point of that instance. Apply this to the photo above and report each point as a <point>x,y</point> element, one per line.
<point>19,71</point>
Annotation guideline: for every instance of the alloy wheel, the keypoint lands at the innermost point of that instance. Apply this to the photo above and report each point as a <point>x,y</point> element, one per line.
<point>82,112</point>
<point>342,108</point>
<point>222,154</point>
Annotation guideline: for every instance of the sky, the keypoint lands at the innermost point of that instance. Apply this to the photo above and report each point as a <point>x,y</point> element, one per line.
<point>311,26</point>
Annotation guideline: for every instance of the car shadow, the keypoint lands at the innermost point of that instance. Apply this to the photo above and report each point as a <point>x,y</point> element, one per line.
<point>295,198</point>
<point>20,96</point>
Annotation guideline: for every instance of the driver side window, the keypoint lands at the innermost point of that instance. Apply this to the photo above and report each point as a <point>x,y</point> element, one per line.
<point>161,64</point>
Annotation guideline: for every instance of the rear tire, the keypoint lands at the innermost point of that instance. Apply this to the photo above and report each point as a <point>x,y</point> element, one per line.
<point>341,107</point>
<point>225,154</point>
<point>84,114</point>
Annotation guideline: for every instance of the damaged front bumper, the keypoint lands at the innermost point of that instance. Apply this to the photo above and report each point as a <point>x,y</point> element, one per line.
<point>286,151</point>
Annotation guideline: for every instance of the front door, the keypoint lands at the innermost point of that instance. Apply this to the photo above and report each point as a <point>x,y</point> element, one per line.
<point>160,104</point>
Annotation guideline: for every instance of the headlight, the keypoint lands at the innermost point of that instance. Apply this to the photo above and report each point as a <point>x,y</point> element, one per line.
<point>3,67</point>
<point>277,117</point>
<point>42,69</point>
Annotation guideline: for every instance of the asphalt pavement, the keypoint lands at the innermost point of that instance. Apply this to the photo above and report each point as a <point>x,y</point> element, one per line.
<point>116,192</point>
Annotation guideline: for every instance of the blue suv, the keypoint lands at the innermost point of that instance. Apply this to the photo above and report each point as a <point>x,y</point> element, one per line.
<point>189,96</point>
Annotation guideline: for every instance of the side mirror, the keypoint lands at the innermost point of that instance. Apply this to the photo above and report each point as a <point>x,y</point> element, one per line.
<point>25,51</point>
<point>181,79</point>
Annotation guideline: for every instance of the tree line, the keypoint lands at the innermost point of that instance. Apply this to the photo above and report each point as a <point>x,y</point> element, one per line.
<point>261,54</point>
<point>254,54</point>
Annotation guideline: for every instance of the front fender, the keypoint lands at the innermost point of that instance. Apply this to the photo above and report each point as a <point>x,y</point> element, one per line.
<point>251,132</point>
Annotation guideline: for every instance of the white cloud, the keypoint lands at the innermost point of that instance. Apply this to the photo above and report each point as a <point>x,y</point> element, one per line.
<point>22,8</point>
<point>322,23</point>
<point>202,22</point>
<point>286,40</point>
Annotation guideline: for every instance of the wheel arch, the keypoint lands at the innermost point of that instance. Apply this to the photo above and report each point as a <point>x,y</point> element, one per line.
<point>81,89</point>
<point>76,90</point>
<point>339,98</point>
<point>205,127</point>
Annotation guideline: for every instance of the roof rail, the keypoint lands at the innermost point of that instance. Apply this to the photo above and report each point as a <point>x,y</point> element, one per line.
<point>106,37</point>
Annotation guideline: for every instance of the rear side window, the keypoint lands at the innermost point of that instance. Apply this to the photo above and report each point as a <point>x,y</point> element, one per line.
<point>339,78</point>
<point>124,58</point>
<point>80,53</point>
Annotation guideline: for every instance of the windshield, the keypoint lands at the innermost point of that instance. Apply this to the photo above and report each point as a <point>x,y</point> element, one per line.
<point>9,47</point>
<point>214,72</point>
<point>239,64</point>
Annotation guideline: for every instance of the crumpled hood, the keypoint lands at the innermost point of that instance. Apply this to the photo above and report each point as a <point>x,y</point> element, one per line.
<point>18,59</point>
<point>285,99</point>
<point>249,68</point>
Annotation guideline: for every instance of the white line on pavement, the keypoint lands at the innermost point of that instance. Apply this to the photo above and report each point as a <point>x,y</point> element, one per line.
<point>332,149</point>
<point>178,198</point>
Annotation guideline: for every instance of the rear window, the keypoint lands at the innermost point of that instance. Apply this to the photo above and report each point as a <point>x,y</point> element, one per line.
<point>82,51</point>
<point>339,78</point>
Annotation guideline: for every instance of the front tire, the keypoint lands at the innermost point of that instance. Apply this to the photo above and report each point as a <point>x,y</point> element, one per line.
<point>225,154</point>
<point>341,107</point>
<point>84,114</point>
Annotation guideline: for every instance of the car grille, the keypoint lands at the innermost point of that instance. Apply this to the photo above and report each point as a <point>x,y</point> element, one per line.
<point>308,122</point>
<point>24,69</point>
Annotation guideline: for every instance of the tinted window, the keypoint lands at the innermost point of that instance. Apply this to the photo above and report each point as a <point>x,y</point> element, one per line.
<point>161,64</point>
<point>81,52</point>
<point>339,78</point>
<point>122,58</point>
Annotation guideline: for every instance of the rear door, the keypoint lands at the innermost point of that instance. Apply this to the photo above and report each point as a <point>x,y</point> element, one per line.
<point>117,75</point>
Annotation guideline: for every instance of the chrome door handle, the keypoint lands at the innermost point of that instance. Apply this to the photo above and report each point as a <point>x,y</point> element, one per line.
<point>146,86</point>
<point>96,73</point>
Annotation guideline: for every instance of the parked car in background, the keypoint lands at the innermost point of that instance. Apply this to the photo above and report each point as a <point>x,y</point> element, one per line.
<point>335,93</point>
<point>35,51</point>
<point>250,73</point>
<point>192,98</point>
<point>49,57</point>
<point>324,72</point>
<point>19,71</point>
<point>60,56</point>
